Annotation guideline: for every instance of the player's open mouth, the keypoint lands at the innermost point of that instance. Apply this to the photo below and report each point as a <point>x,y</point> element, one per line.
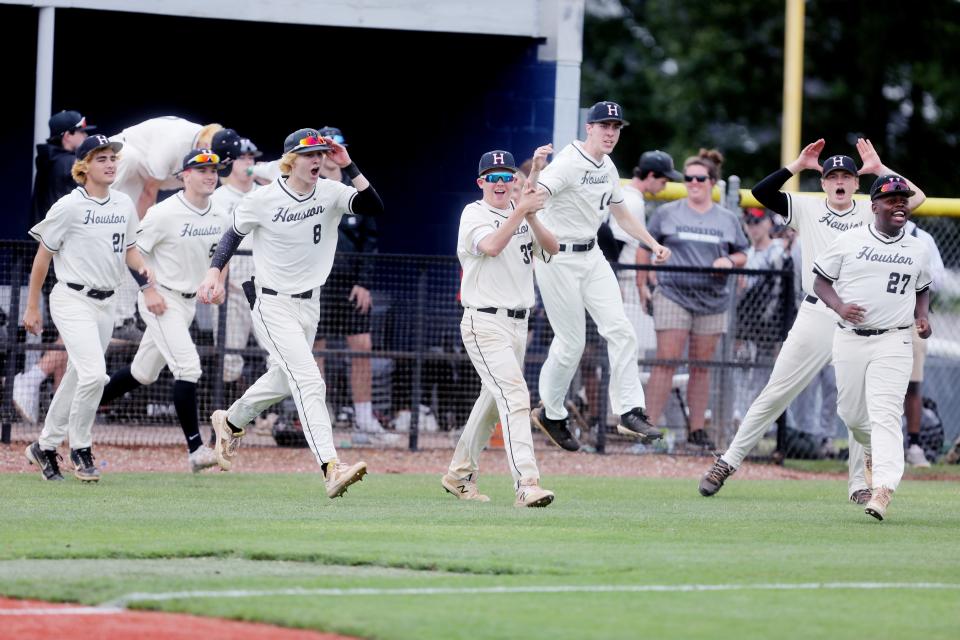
<point>841,191</point>
<point>899,215</point>
<point>315,172</point>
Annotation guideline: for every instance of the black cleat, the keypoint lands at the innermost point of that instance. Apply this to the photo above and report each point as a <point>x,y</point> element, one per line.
<point>83,467</point>
<point>556,430</point>
<point>46,460</point>
<point>700,438</point>
<point>636,423</point>
<point>713,479</point>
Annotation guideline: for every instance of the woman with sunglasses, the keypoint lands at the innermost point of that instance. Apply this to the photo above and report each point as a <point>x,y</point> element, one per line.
<point>294,222</point>
<point>177,238</point>
<point>692,307</point>
<point>496,244</point>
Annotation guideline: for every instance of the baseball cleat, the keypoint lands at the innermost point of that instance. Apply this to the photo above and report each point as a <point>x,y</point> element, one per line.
<point>915,457</point>
<point>713,480</point>
<point>531,494</point>
<point>700,439</point>
<point>45,460</point>
<point>83,466</point>
<point>556,430</point>
<point>203,458</point>
<point>636,423</point>
<point>877,507</point>
<point>861,496</point>
<point>463,488</point>
<point>228,442</point>
<point>338,476</point>
<point>26,398</point>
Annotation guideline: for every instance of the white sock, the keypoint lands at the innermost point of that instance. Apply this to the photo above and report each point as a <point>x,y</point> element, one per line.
<point>363,411</point>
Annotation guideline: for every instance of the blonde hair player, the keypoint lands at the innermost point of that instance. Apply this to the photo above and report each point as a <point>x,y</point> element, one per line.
<point>877,280</point>
<point>177,238</point>
<point>495,245</point>
<point>582,183</point>
<point>90,234</point>
<point>819,220</point>
<point>294,222</point>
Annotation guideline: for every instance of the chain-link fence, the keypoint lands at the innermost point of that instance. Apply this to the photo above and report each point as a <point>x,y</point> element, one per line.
<point>420,382</point>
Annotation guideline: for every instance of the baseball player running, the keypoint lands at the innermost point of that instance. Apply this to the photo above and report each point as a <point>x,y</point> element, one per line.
<point>495,245</point>
<point>294,225</point>
<point>582,184</point>
<point>90,234</point>
<point>177,238</point>
<point>807,349</point>
<point>877,279</point>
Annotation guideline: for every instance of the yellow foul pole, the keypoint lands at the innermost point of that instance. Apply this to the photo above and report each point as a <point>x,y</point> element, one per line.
<point>792,86</point>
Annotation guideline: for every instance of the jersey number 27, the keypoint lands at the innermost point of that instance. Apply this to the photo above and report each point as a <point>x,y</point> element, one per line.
<point>895,280</point>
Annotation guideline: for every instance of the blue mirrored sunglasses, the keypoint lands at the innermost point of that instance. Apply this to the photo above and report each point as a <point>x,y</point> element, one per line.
<point>336,138</point>
<point>497,177</point>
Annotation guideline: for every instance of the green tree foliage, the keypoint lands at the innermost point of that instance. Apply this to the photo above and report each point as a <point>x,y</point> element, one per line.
<point>693,74</point>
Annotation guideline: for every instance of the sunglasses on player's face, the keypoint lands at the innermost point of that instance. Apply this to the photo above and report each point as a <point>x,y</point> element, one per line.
<point>687,178</point>
<point>311,141</point>
<point>336,138</point>
<point>498,177</point>
<point>205,158</point>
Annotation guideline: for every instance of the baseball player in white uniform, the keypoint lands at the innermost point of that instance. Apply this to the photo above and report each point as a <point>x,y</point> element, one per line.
<point>238,183</point>
<point>177,238</point>
<point>294,226</point>
<point>495,245</point>
<point>90,234</point>
<point>582,183</point>
<point>807,349</point>
<point>877,280</point>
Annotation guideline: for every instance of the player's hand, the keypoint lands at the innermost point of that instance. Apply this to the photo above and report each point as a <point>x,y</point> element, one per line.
<point>646,297</point>
<point>809,158</point>
<point>540,156</point>
<point>869,158</point>
<point>924,330</point>
<point>660,254</point>
<point>220,298</point>
<point>33,321</point>
<point>210,288</point>
<point>361,297</point>
<point>338,153</point>
<point>154,301</point>
<point>532,200</point>
<point>852,313</point>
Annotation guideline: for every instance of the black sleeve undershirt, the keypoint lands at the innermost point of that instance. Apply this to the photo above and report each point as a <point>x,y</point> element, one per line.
<point>225,249</point>
<point>767,191</point>
<point>367,202</point>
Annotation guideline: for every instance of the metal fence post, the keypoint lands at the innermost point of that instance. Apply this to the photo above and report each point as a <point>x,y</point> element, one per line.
<point>221,342</point>
<point>603,361</point>
<point>416,393</point>
<point>13,348</point>
<point>732,199</point>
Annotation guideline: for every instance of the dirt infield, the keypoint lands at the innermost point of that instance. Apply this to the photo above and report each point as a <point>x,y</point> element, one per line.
<point>272,459</point>
<point>34,620</point>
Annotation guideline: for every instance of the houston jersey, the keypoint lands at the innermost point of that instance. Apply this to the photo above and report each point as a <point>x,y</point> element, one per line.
<point>227,198</point>
<point>178,240</point>
<point>89,238</point>
<point>162,143</point>
<point>883,275</point>
<point>581,190</point>
<point>294,236</point>
<point>818,226</point>
<point>505,280</point>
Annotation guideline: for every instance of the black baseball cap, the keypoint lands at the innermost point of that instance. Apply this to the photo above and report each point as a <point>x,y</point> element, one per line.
<point>497,159</point>
<point>92,143</point>
<point>890,185</point>
<point>658,162</point>
<point>65,121</point>
<point>304,141</point>
<point>334,134</point>
<point>839,163</point>
<point>226,144</point>
<point>201,158</point>
<point>606,111</point>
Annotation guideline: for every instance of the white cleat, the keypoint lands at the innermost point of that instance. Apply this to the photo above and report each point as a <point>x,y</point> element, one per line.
<point>203,458</point>
<point>915,457</point>
<point>531,494</point>
<point>228,442</point>
<point>338,476</point>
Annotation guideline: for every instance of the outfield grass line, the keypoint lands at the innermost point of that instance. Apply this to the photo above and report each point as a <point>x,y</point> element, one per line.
<point>63,611</point>
<point>541,589</point>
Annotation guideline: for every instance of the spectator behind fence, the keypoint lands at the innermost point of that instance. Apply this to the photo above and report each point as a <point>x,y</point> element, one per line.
<point>345,300</point>
<point>693,306</point>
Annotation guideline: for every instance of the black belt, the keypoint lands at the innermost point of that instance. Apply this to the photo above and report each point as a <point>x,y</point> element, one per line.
<point>872,332</point>
<point>188,296</point>
<point>811,299</point>
<point>306,295</point>
<point>518,314</point>
<point>578,247</point>
<point>97,294</point>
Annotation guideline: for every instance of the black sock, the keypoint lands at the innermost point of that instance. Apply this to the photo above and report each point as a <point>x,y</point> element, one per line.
<point>185,401</point>
<point>233,427</point>
<point>121,381</point>
<point>914,439</point>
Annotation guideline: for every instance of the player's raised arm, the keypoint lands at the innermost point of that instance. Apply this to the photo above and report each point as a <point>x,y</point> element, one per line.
<point>768,191</point>
<point>872,165</point>
<point>367,202</point>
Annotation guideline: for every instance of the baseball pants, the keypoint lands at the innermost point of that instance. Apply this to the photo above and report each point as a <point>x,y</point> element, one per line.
<point>286,328</point>
<point>239,321</point>
<point>496,345</point>
<point>167,341</point>
<point>571,283</point>
<point>85,324</point>
<point>872,377</point>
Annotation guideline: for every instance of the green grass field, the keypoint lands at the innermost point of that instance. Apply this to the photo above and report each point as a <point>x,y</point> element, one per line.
<point>163,533</point>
